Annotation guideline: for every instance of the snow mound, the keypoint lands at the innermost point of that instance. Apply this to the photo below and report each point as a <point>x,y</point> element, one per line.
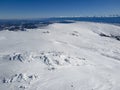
<point>22,81</point>
<point>60,59</point>
<point>22,57</point>
<point>20,78</point>
<point>52,58</point>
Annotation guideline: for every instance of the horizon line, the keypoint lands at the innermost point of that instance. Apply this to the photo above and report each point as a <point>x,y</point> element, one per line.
<point>59,17</point>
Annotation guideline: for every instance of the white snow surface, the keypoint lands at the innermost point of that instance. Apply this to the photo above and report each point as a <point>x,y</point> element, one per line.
<point>61,57</point>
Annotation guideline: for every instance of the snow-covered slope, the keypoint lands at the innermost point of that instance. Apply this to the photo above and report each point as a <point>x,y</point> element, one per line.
<point>76,56</point>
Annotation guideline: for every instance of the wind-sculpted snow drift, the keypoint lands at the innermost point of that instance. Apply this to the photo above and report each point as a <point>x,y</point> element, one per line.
<point>73,56</point>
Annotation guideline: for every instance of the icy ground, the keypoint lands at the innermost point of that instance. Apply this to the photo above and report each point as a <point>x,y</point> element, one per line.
<point>76,56</point>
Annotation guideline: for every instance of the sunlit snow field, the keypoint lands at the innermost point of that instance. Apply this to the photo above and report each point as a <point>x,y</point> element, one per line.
<point>73,56</point>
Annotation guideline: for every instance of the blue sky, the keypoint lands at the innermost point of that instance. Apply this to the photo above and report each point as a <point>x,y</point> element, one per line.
<point>10,9</point>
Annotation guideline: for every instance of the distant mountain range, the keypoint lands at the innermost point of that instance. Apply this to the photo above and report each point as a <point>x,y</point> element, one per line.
<point>22,25</point>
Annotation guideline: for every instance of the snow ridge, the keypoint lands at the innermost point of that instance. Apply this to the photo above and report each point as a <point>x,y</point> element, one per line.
<point>51,58</point>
